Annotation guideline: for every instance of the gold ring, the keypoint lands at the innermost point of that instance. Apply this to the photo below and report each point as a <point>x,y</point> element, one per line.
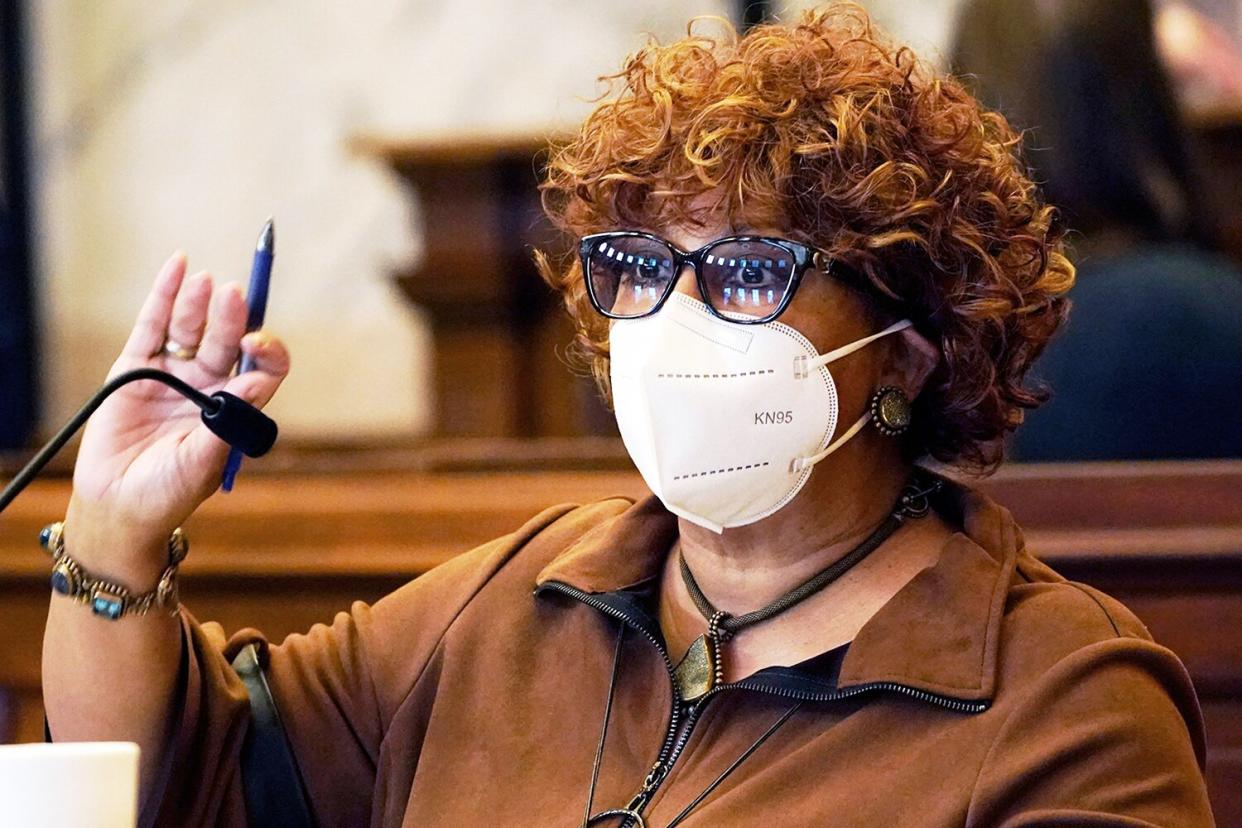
<point>176,350</point>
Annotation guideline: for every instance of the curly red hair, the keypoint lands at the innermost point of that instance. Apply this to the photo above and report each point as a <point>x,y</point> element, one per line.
<point>828,130</point>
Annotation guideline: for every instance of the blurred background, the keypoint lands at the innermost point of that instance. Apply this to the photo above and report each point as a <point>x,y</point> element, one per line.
<point>133,129</point>
<point>398,142</point>
<point>373,132</point>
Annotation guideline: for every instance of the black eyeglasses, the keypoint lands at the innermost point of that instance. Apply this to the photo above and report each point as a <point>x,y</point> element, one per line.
<point>744,279</point>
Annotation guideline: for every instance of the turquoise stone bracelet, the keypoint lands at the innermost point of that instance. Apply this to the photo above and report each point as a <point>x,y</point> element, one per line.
<point>108,599</point>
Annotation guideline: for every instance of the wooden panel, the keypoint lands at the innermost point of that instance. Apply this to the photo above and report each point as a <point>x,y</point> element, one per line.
<point>27,715</point>
<point>496,327</point>
<point>8,710</point>
<point>469,362</point>
<point>1167,494</point>
<point>1223,721</point>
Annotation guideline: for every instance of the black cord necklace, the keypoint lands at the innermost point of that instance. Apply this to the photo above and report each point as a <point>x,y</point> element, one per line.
<point>914,502</point>
<point>702,667</point>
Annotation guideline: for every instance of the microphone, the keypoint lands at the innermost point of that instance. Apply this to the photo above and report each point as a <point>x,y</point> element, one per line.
<point>229,417</point>
<point>240,424</point>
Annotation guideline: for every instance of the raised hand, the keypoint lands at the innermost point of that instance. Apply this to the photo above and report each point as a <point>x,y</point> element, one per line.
<point>146,461</point>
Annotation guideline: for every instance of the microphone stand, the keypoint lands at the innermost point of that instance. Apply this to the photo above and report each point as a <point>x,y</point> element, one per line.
<point>229,417</point>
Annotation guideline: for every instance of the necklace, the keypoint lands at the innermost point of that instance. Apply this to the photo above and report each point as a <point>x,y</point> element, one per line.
<point>702,667</point>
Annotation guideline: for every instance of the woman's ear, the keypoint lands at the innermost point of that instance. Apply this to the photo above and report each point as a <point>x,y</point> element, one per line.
<point>914,358</point>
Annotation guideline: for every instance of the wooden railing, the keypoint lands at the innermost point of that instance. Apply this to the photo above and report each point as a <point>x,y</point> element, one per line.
<point>292,548</point>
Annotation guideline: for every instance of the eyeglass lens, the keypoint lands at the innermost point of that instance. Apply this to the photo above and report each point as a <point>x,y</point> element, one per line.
<point>629,274</point>
<point>745,279</point>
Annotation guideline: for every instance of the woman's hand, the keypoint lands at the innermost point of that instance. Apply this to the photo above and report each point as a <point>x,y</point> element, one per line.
<point>146,461</point>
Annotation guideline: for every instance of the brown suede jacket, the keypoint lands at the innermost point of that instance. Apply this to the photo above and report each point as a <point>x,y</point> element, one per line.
<point>989,691</point>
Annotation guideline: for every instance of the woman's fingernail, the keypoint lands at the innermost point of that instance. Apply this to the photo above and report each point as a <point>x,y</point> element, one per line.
<point>176,262</point>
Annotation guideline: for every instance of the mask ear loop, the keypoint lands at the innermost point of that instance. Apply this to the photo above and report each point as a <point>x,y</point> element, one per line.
<point>800,463</point>
<point>803,368</point>
<point>804,365</point>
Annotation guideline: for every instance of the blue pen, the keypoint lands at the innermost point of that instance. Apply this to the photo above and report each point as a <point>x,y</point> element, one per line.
<point>256,302</point>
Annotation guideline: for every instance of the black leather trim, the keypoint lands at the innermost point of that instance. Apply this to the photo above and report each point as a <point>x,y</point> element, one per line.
<point>275,793</point>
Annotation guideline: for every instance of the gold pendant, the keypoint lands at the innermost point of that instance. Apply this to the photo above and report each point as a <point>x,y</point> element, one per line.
<point>696,674</point>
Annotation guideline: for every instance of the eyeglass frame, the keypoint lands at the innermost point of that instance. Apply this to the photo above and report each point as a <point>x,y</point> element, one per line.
<point>805,256</point>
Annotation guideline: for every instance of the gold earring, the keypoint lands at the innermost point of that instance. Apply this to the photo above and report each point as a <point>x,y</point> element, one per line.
<point>890,410</point>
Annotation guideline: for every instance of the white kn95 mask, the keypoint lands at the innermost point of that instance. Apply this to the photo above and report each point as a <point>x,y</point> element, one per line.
<point>724,421</point>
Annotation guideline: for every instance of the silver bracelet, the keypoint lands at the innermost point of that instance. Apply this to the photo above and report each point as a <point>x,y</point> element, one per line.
<point>108,599</point>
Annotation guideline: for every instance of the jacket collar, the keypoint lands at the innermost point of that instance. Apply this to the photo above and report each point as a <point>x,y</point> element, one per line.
<point>939,633</point>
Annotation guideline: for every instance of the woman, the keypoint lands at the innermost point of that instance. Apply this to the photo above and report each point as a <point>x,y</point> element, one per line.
<point>801,626</point>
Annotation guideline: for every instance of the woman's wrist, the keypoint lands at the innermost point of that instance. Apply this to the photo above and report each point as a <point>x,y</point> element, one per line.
<point>104,595</point>
<point>129,554</point>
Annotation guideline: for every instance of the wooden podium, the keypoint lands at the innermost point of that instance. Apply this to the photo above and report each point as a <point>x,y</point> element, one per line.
<point>499,332</point>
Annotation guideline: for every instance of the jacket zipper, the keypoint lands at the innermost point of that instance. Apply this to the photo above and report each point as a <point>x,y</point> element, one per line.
<point>948,702</point>
<point>662,764</point>
<point>673,745</point>
<point>696,709</point>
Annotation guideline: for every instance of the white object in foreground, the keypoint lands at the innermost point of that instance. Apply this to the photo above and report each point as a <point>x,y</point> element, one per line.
<point>75,784</point>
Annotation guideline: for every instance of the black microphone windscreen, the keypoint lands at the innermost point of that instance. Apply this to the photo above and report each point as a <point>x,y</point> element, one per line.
<point>241,425</point>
